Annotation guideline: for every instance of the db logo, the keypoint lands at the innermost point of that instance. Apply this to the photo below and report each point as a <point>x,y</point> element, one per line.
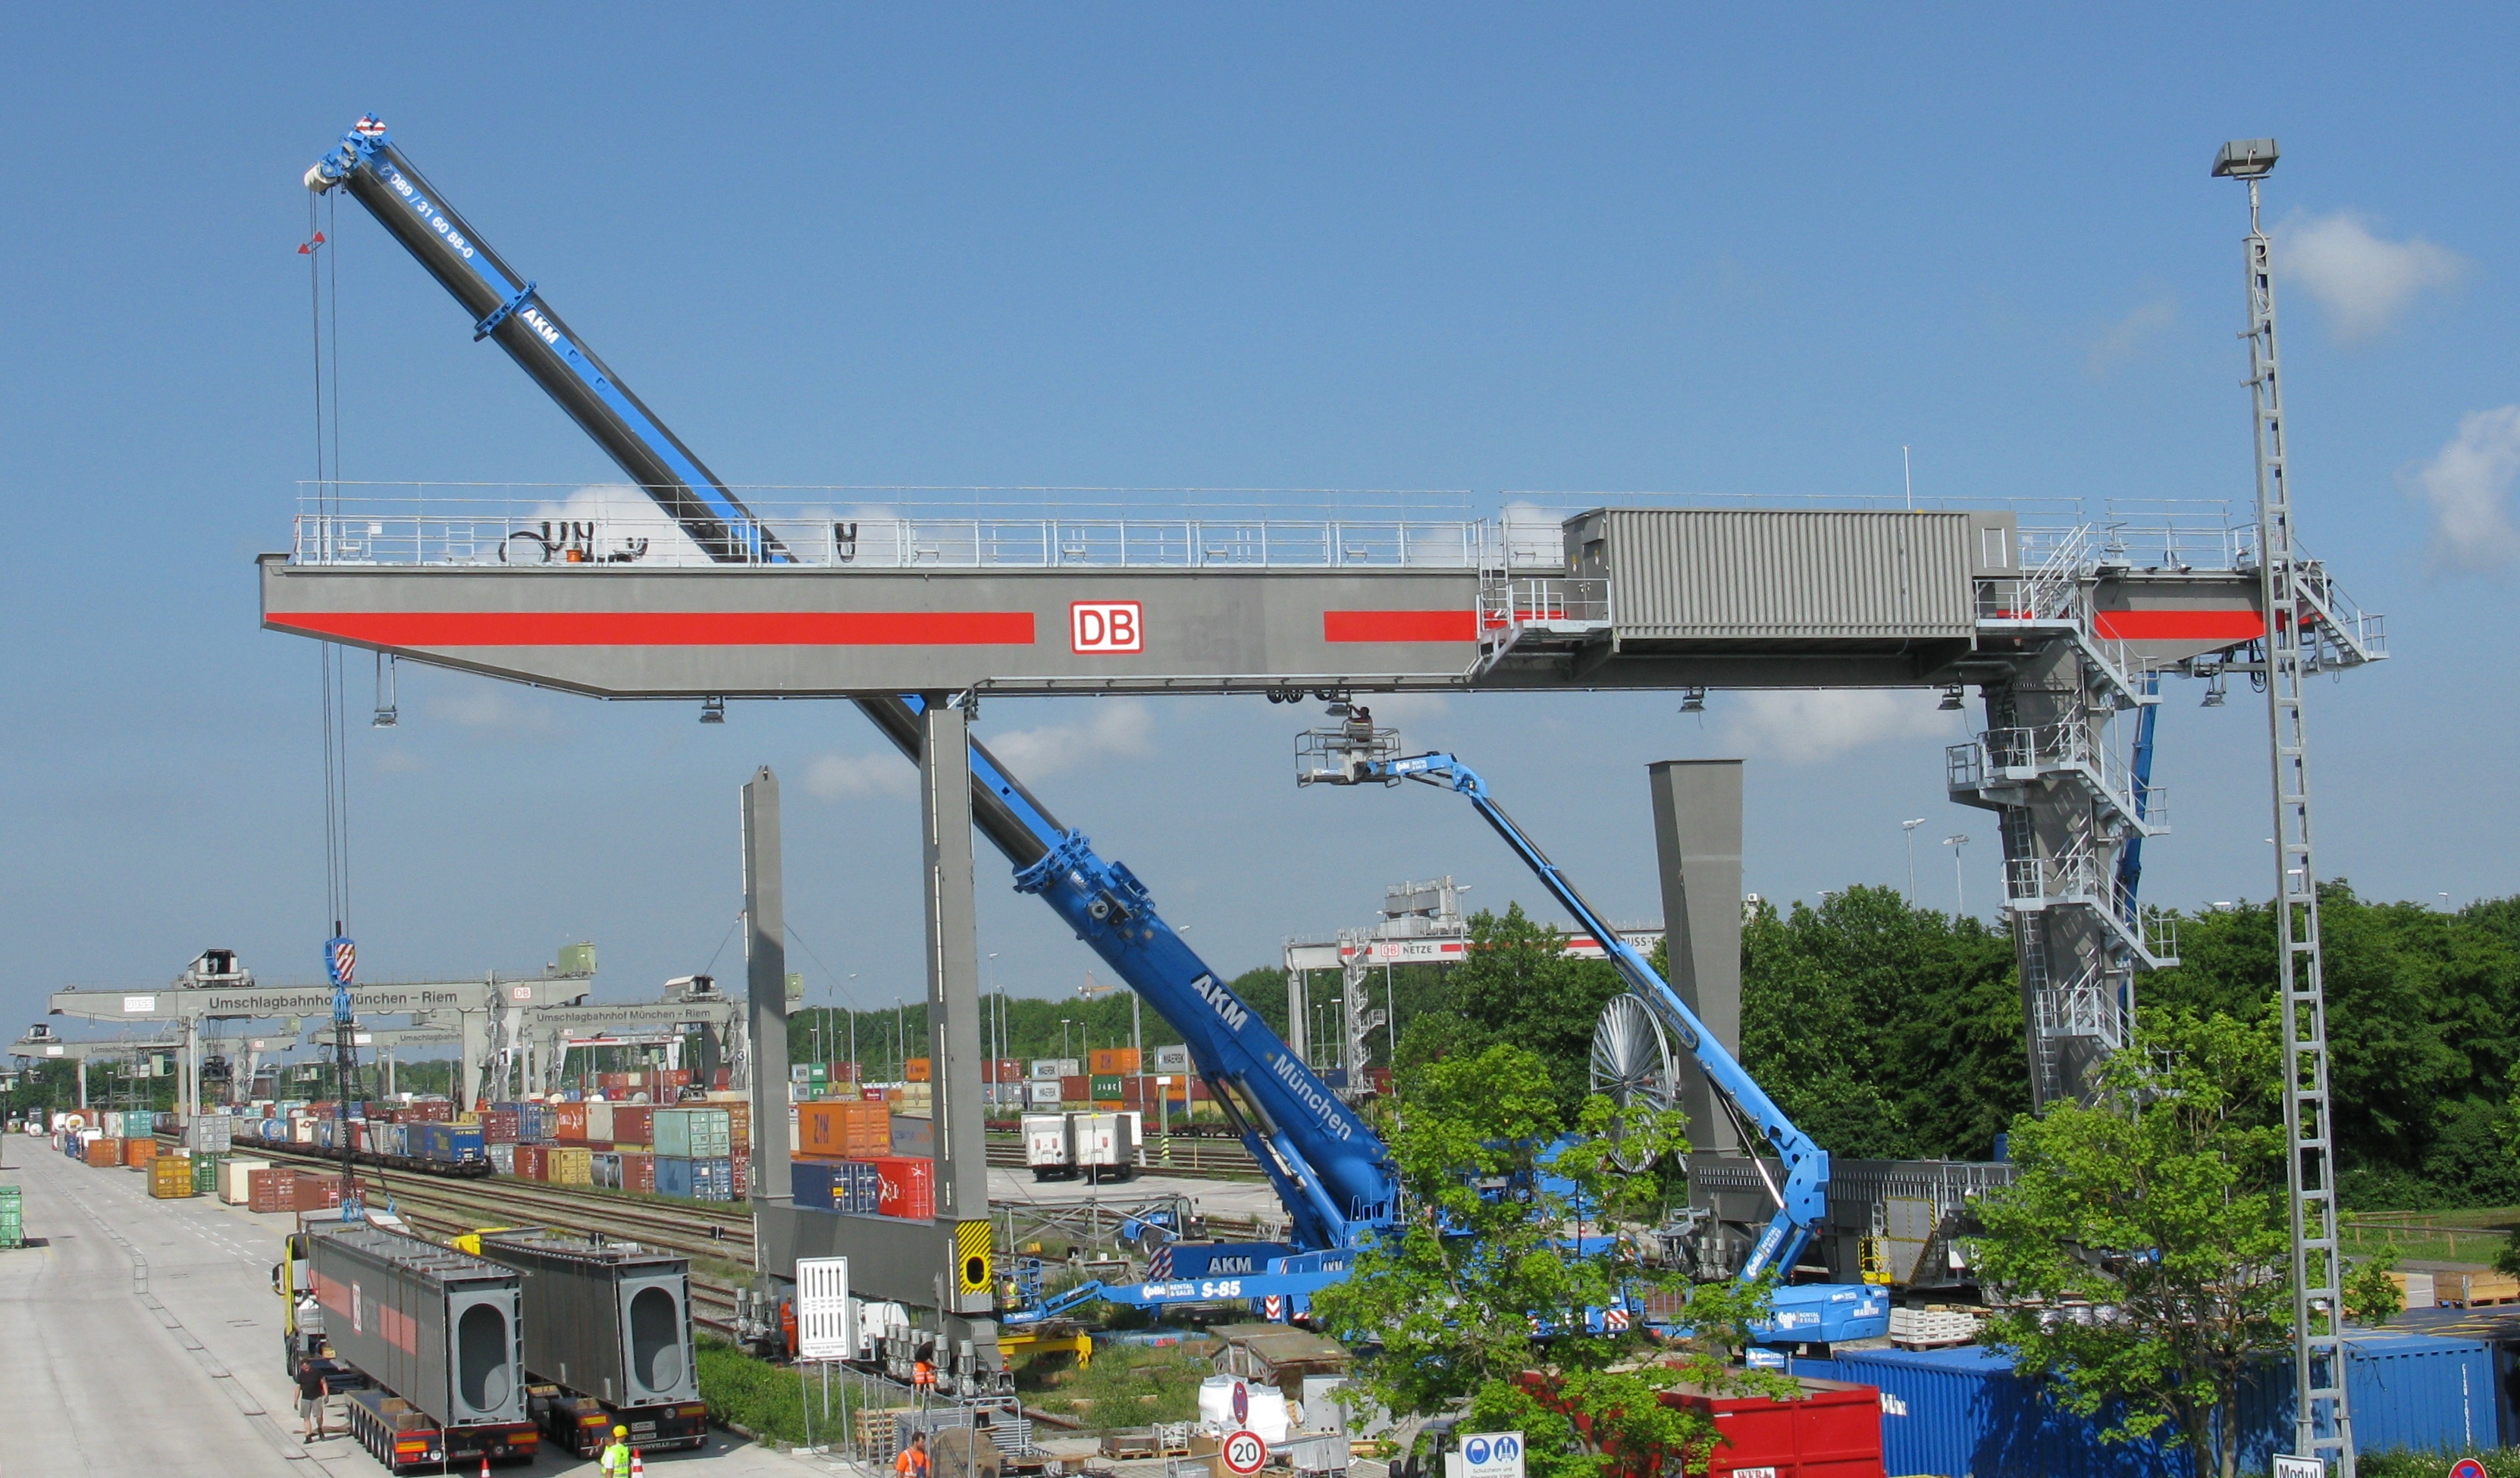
<point>1102,626</point>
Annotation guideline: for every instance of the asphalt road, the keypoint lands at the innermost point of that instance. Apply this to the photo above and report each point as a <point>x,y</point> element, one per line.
<point>141,1338</point>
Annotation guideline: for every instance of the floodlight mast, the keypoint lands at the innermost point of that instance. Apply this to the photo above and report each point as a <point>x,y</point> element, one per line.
<point>2309,1165</point>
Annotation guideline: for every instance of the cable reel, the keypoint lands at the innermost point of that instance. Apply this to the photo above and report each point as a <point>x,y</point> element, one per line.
<point>1632,1066</point>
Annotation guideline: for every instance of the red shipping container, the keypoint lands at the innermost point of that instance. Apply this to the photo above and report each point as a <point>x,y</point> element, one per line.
<point>316,1193</point>
<point>743,1177</point>
<point>534,1162</point>
<point>429,1111</point>
<point>271,1191</point>
<point>633,1126</point>
<point>905,1187</point>
<point>570,1122</point>
<point>1076,1089</point>
<point>1001,1070</point>
<point>1832,1431</point>
<point>675,1077</point>
<point>639,1171</point>
<point>499,1127</point>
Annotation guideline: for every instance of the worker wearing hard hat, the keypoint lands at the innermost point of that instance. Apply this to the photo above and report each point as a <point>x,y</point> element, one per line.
<point>617,1458</point>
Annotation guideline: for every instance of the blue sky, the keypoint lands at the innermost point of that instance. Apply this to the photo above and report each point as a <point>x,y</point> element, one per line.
<point>1576,248</point>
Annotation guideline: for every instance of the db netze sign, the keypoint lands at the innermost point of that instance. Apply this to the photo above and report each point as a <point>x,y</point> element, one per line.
<point>1105,626</point>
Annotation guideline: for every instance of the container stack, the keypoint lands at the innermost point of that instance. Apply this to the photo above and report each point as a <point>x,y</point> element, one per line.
<point>13,1217</point>
<point>695,1153</point>
<point>171,1177</point>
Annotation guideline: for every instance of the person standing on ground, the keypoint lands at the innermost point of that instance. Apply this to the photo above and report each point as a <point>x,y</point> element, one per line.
<point>617,1458</point>
<point>913,1462</point>
<point>310,1402</point>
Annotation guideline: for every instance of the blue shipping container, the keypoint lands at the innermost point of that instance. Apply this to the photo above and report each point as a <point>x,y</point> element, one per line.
<point>674,1177</point>
<point>811,1183</point>
<point>861,1190</point>
<point>1963,1412</point>
<point>713,1178</point>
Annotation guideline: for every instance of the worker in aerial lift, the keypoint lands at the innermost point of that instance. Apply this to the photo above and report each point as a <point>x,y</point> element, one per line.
<point>617,1458</point>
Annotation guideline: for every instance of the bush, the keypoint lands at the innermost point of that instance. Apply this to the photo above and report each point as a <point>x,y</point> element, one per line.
<point>766,1400</point>
<point>2498,1462</point>
<point>1124,1386</point>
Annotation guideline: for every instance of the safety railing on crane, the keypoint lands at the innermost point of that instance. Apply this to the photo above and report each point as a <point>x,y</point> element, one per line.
<point>2079,878</point>
<point>611,527</point>
<point>1998,755</point>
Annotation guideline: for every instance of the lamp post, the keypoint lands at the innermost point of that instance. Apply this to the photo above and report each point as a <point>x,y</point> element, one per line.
<point>1959,878</point>
<point>997,1049</point>
<point>1062,1034</point>
<point>901,1038</point>
<point>1909,827</point>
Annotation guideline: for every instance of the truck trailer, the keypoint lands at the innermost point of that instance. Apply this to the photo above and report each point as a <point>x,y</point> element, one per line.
<point>608,1339</point>
<point>438,1334</point>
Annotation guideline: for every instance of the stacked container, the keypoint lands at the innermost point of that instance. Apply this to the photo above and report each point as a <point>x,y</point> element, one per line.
<point>843,1129</point>
<point>905,1187</point>
<point>569,1165</point>
<point>532,1162</point>
<point>13,1217</point>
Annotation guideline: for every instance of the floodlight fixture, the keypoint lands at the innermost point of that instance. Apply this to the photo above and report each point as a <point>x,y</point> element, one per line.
<point>2245,159</point>
<point>1693,701</point>
<point>1951,700</point>
<point>713,710</point>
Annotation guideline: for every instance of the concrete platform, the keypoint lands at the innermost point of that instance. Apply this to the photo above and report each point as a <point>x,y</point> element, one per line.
<point>1208,1196</point>
<point>142,1340</point>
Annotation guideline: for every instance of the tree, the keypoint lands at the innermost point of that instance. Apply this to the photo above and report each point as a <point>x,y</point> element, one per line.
<point>2158,1205</point>
<point>1480,1296</point>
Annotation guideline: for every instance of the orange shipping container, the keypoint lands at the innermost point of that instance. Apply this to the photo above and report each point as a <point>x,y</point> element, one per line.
<point>843,1129</point>
<point>1108,1062</point>
<point>571,1121</point>
<point>139,1154</point>
<point>104,1152</point>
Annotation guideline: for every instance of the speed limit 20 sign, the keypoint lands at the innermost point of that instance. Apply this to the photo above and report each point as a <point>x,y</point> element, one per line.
<point>1244,1454</point>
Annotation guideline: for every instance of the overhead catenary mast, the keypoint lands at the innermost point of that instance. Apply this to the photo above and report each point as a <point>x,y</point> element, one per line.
<point>2318,1281</point>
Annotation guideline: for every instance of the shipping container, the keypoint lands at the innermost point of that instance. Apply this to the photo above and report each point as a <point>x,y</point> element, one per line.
<point>1103,1087</point>
<point>170,1178</point>
<point>604,1170</point>
<point>139,1154</point>
<point>1832,1430</point>
<point>693,1133</point>
<point>569,1123</point>
<point>710,1178</point>
<point>674,1176</point>
<point>1047,1150</point>
<point>1052,1069</point>
<point>568,1165</point>
<point>1963,1410</point>
<point>1075,1088</point>
<point>235,1188</point>
<point>13,1217</point>
<point>1001,1070</point>
<point>917,1070</point>
<point>843,1129</point>
<point>272,1191</point>
<point>314,1192</point>
<point>612,1321</point>
<point>499,1126</point>
<point>1042,1094</point>
<point>532,1162</point>
<point>209,1133</point>
<point>1714,574</point>
<point>638,1170</point>
<point>206,1174</point>
<point>914,1136</point>
<point>809,1184</point>
<point>503,1158</point>
<point>1111,1061</point>
<point>599,1122</point>
<point>631,1125</point>
<point>432,1326</point>
<point>104,1151</point>
<point>1172,1059</point>
<point>905,1187</point>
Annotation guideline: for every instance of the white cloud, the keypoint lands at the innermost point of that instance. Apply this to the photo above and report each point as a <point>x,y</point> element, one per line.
<point>840,777</point>
<point>1803,726</point>
<point>400,762</point>
<point>1118,727</point>
<point>2467,485</point>
<point>2123,339</point>
<point>2362,281</point>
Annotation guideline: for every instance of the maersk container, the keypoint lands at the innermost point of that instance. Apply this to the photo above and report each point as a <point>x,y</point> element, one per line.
<point>436,1328</point>
<point>610,1321</point>
<point>1966,1414</point>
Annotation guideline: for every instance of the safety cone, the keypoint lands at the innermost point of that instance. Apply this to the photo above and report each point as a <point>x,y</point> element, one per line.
<point>638,1469</point>
<point>485,1465</point>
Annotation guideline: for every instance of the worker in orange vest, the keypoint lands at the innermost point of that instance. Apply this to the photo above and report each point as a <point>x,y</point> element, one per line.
<point>913,1462</point>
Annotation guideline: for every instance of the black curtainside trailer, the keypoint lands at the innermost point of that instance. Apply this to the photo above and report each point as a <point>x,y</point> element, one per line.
<point>439,1334</point>
<point>608,1339</point>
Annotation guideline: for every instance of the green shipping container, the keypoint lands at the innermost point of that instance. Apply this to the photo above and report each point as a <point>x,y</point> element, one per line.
<point>1106,1087</point>
<point>206,1174</point>
<point>13,1224</point>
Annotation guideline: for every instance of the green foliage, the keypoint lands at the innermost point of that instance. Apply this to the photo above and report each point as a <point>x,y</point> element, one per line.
<point>2498,1462</point>
<point>2423,1075</point>
<point>1883,1030</point>
<point>2370,1297</point>
<point>1444,1309</point>
<point>1516,984</point>
<point>1123,1386</point>
<point>765,1400</point>
<point>2161,1203</point>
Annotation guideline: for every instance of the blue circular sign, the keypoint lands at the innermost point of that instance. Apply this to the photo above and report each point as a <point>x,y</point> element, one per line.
<point>1477,1451</point>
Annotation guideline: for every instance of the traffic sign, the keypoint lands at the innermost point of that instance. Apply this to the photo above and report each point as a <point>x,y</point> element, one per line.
<point>1244,1454</point>
<point>1242,1404</point>
<point>2287,1467</point>
<point>1492,1455</point>
<point>2468,1468</point>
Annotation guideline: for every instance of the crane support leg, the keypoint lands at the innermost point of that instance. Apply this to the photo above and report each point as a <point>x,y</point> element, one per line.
<point>765,978</point>
<point>952,958</point>
<point>1697,847</point>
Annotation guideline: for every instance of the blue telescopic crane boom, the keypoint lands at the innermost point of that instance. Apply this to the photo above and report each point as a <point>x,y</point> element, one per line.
<point>1330,1170</point>
<point>1802,1200</point>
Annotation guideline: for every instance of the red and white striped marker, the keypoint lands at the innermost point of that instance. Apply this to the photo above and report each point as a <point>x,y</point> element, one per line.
<point>638,1469</point>
<point>485,1464</point>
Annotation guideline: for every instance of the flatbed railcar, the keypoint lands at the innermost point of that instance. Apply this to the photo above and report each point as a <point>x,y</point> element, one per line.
<point>441,1149</point>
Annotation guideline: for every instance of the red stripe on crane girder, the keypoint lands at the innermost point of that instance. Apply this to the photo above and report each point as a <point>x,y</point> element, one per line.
<point>1400,626</point>
<point>668,628</point>
<point>2180,626</point>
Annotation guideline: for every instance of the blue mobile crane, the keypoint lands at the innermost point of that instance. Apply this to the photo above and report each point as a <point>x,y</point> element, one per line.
<point>1331,1170</point>
<point>1357,753</point>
